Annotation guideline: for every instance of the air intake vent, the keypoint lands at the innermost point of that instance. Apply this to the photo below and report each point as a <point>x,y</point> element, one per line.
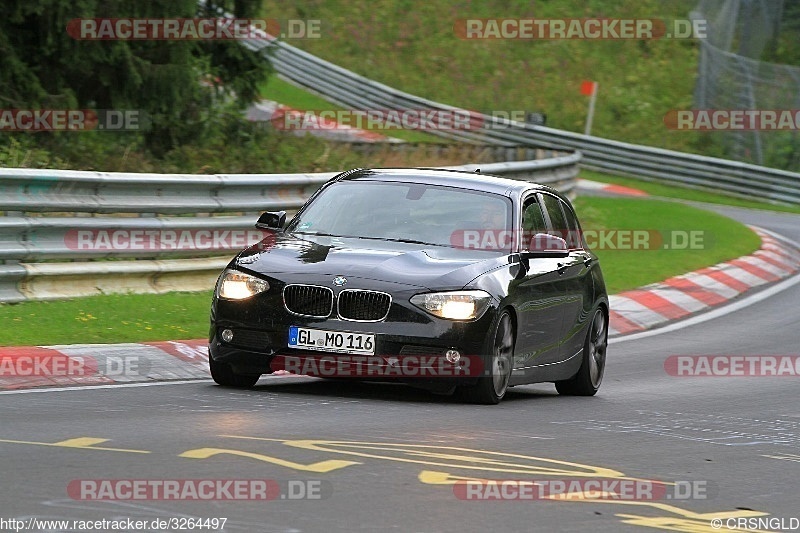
<point>254,340</point>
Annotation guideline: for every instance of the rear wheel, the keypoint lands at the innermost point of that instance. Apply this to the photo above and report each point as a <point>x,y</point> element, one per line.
<point>587,381</point>
<point>223,374</point>
<point>491,388</point>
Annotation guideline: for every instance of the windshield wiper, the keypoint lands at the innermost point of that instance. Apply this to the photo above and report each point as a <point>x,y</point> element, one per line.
<point>316,233</point>
<point>407,241</point>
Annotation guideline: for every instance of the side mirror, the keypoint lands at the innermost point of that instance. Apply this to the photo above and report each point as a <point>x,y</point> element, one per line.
<point>271,220</point>
<point>545,245</point>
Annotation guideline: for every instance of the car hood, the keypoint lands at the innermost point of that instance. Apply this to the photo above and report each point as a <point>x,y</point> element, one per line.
<point>424,266</point>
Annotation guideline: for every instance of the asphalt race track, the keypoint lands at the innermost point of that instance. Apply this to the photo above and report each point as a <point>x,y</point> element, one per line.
<point>379,457</point>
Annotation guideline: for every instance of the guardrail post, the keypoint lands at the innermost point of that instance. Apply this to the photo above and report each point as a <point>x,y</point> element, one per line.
<point>11,261</point>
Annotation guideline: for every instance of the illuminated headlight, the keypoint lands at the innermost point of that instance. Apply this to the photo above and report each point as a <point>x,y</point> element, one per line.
<point>234,285</point>
<point>456,305</point>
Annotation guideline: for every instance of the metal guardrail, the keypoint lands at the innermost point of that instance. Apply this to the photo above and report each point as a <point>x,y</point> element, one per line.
<point>32,246</point>
<point>477,153</point>
<point>48,238</point>
<point>118,192</point>
<point>353,91</point>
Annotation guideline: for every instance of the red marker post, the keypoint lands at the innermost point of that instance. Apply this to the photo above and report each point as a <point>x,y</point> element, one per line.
<point>589,88</point>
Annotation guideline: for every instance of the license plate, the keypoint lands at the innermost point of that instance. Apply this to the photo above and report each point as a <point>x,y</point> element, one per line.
<point>331,341</point>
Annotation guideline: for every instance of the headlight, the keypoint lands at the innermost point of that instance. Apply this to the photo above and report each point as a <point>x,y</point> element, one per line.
<point>234,285</point>
<point>455,305</point>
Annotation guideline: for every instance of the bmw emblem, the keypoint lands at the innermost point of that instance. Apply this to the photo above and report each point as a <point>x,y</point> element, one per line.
<point>339,281</point>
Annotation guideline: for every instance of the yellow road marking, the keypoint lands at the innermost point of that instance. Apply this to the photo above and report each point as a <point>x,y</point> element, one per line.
<point>785,457</point>
<point>320,467</point>
<point>84,443</point>
<point>472,462</point>
<point>684,520</point>
<point>464,458</point>
<point>686,525</point>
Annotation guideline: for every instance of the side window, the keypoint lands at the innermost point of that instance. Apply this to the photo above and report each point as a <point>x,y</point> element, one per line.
<point>574,240</point>
<point>532,218</point>
<point>559,223</point>
<point>565,225</point>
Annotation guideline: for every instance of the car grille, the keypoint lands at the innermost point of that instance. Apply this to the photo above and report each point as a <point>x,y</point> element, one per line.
<point>362,305</point>
<point>308,300</point>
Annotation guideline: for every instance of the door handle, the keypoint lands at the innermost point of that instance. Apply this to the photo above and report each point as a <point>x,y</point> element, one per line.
<point>562,267</point>
<point>587,261</point>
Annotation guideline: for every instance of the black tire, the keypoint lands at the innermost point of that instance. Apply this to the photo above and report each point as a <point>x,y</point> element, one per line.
<point>491,388</point>
<point>223,374</point>
<point>586,381</point>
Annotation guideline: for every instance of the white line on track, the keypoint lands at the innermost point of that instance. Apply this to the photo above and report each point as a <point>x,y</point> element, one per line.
<point>109,386</point>
<point>134,385</point>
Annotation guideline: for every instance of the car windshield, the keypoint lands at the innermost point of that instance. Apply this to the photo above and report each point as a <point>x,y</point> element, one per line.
<point>406,212</point>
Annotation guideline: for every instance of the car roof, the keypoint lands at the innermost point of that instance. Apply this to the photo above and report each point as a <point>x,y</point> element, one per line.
<point>446,177</point>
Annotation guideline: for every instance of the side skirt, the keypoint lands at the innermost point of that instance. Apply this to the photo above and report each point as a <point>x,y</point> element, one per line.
<point>549,372</point>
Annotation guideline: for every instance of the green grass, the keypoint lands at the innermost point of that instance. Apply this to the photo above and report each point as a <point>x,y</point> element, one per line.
<point>107,319</point>
<point>723,239</point>
<point>145,317</point>
<point>684,193</point>
<point>411,45</point>
<point>285,93</point>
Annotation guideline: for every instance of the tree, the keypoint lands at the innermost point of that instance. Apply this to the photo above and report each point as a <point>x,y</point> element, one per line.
<point>175,83</point>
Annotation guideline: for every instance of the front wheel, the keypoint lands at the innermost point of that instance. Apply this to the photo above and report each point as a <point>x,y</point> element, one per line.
<point>587,381</point>
<point>223,374</point>
<point>491,388</point>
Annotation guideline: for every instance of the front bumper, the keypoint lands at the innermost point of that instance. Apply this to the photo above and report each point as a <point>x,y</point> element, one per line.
<point>408,338</point>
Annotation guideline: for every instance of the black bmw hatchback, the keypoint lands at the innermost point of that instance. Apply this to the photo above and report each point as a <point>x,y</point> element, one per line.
<point>443,279</point>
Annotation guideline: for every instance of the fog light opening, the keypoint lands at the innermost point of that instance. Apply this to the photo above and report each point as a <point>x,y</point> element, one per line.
<point>452,356</point>
<point>227,335</point>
